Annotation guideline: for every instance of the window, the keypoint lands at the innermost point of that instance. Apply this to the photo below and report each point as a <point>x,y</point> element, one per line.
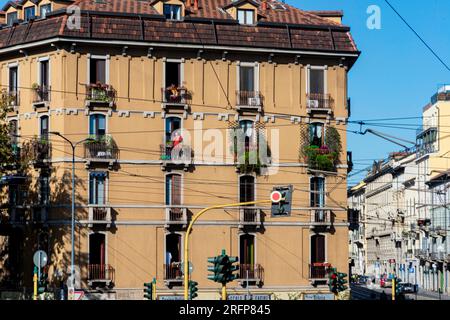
<point>173,74</point>
<point>29,13</point>
<point>14,132</point>
<point>317,81</point>
<point>173,189</point>
<point>97,250</point>
<point>44,189</point>
<point>247,126</point>
<point>173,257</point>
<point>246,16</point>
<point>97,71</point>
<point>318,248</point>
<point>97,126</point>
<point>11,18</point>
<point>317,189</point>
<point>44,128</point>
<point>97,190</point>
<point>247,78</point>
<point>246,189</point>
<point>172,11</point>
<point>44,73</point>
<point>13,80</point>
<point>317,134</point>
<point>172,124</point>
<point>44,9</point>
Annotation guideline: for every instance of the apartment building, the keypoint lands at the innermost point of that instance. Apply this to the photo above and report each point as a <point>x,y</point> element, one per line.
<point>407,204</point>
<point>153,94</point>
<point>357,225</point>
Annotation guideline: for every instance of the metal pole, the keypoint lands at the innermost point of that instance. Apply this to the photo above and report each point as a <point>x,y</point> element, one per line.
<point>224,292</point>
<point>72,256</point>
<point>188,231</point>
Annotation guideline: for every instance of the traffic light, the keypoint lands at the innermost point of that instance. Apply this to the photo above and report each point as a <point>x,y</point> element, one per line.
<point>333,280</point>
<point>43,281</point>
<point>193,290</point>
<point>283,207</point>
<point>398,290</point>
<point>223,268</point>
<point>148,290</point>
<point>341,281</point>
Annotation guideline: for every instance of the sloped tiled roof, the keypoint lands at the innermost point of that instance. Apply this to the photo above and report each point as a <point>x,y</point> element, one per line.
<point>136,20</point>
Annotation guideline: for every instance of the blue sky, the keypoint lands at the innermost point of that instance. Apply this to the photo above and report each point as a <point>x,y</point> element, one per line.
<point>395,75</point>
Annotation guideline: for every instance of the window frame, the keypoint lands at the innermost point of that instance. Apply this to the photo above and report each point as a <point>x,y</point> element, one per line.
<point>27,9</point>
<point>255,66</point>
<point>10,21</point>
<point>325,78</point>
<point>105,191</point>
<point>246,12</point>
<point>171,6</point>
<point>107,59</point>
<point>47,5</point>
<point>311,194</point>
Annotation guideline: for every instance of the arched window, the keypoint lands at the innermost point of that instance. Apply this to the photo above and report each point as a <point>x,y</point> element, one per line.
<point>247,126</point>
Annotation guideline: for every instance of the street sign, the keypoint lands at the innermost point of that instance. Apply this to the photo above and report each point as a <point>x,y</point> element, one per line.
<point>170,297</point>
<point>40,259</point>
<point>190,267</point>
<point>319,296</point>
<point>248,297</point>
<point>276,196</point>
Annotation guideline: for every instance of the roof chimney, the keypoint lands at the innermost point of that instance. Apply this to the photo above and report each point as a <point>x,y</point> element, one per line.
<point>264,5</point>
<point>195,5</point>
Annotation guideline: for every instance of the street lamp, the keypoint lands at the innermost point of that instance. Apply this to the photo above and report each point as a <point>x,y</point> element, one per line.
<point>72,255</point>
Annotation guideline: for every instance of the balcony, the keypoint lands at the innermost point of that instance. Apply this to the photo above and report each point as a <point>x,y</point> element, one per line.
<point>251,274</point>
<point>100,273</point>
<point>99,215</point>
<point>12,99</point>
<point>175,155</point>
<point>175,97</point>
<point>173,273</point>
<point>100,96</point>
<point>41,152</point>
<point>249,101</point>
<point>176,216</point>
<point>101,150</point>
<point>321,218</point>
<point>41,97</point>
<point>421,253</point>
<point>319,270</point>
<point>319,102</point>
<point>249,217</point>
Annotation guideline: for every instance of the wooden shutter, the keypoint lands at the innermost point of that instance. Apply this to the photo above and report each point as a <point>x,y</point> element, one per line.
<point>176,189</point>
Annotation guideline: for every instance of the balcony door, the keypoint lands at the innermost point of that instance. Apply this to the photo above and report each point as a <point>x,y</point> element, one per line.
<point>173,256</point>
<point>172,124</point>
<point>13,80</point>
<point>97,126</point>
<point>173,74</point>
<point>44,73</point>
<point>97,256</point>
<point>317,134</point>
<point>316,82</point>
<point>247,79</point>
<point>97,71</point>
<point>247,256</point>
<point>317,256</point>
<point>97,188</point>
<point>44,128</point>
<point>317,190</point>
<point>173,190</point>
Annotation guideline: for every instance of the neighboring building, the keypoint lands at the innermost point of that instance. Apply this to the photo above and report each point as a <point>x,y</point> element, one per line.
<point>136,79</point>
<point>357,226</point>
<point>406,198</point>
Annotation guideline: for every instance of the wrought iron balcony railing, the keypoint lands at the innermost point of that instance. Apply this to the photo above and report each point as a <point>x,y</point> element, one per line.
<point>99,215</point>
<point>12,99</point>
<point>250,100</point>
<point>319,102</point>
<point>176,216</point>
<point>249,217</point>
<point>318,270</point>
<point>176,97</point>
<point>100,95</point>
<point>251,273</point>
<point>41,96</point>
<point>100,273</point>
<point>41,150</point>
<point>173,272</point>
<point>101,148</point>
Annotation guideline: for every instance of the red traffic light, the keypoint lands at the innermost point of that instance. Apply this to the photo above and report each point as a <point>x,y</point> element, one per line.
<point>333,276</point>
<point>276,196</point>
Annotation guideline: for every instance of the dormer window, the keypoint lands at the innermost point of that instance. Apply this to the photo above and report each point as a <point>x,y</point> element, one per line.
<point>172,11</point>
<point>44,10</point>
<point>29,13</point>
<point>11,17</point>
<point>246,16</point>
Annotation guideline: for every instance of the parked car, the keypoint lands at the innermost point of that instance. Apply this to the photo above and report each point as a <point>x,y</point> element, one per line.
<point>408,287</point>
